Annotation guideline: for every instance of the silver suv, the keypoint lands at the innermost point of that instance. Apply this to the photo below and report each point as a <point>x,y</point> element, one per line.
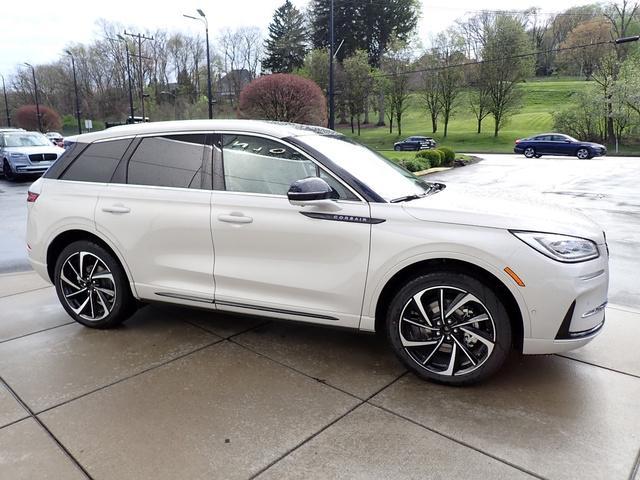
<point>25,152</point>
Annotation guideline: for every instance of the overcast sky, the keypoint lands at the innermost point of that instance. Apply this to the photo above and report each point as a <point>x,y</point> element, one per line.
<point>37,31</point>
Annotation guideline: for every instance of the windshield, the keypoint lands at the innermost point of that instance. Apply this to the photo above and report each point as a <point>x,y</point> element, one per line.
<point>381,175</point>
<point>27,139</point>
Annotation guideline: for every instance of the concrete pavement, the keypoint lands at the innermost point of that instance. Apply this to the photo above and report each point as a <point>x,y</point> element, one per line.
<point>179,393</point>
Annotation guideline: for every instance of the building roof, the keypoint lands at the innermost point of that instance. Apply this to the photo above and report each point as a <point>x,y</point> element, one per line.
<point>274,129</point>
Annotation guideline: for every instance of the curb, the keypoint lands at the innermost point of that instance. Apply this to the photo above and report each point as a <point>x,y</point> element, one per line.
<point>431,170</point>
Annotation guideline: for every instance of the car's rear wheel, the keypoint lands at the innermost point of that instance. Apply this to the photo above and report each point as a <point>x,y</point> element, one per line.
<point>92,285</point>
<point>529,152</point>
<point>583,154</point>
<point>449,328</point>
<point>7,172</point>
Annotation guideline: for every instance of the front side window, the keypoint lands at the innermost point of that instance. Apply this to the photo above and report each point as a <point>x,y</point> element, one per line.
<point>261,165</point>
<point>169,161</point>
<point>97,162</point>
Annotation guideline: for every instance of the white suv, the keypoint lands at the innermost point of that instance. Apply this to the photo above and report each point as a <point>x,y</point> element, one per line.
<point>300,223</point>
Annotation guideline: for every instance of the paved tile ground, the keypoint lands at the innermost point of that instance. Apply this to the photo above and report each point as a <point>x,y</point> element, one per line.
<point>179,393</point>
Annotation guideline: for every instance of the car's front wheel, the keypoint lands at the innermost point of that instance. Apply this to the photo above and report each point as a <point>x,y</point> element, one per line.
<point>92,285</point>
<point>397,148</point>
<point>529,152</point>
<point>7,172</point>
<point>449,328</point>
<point>583,154</point>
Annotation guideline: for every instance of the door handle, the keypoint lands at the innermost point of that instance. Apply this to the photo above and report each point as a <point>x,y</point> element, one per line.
<point>235,217</point>
<point>116,209</point>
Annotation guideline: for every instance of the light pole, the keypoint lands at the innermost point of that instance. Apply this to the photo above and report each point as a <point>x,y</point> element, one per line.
<point>6,102</point>
<point>140,37</point>
<point>203,18</point>
<point>35,90</point>
<point>126,46</point>
<point>75,87</point>
<point>331,41</point>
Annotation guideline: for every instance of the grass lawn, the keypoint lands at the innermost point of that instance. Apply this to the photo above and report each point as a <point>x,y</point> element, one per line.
<point>540,100</point>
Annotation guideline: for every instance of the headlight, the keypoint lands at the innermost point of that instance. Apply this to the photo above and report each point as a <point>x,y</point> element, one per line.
<point>563,248</point>
<point>17,155</point>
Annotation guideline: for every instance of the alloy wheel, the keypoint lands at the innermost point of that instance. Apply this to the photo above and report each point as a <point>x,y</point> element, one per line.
<point>88,286</point>
<point>447,331</point>
<point>583,154</point>
<point>529,152</point>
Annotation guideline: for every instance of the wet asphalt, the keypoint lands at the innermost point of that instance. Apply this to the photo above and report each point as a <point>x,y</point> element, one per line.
<point>605,189</point>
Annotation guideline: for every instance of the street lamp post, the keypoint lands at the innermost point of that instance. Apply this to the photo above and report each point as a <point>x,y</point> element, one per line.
<point>126,46</point>
<point>35,90</point>
<point>75,87</point>
<point>6,102</point>
<point>331,54</point>
<point>206,30</point>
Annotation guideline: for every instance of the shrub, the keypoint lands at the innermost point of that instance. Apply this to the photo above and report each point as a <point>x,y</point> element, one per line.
<point>27,118</point>
<point>411,164</point>
<point>448,156</point>
<point>286,98</point>
<point>434,157</point>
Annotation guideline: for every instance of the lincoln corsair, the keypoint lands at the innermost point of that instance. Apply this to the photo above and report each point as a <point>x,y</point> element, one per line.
<point>301,223</point>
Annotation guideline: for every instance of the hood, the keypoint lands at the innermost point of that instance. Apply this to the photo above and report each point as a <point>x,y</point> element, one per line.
<point>30,150</point>
<point>507,210</point>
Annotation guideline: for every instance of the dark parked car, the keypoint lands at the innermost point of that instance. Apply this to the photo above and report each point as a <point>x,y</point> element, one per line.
<point>558,144</point>
<point>415,143</point>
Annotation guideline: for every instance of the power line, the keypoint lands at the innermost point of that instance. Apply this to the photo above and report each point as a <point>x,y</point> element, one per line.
<point>510,57</point>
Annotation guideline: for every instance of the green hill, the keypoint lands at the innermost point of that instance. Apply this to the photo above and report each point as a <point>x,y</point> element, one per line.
<point>540,99</point>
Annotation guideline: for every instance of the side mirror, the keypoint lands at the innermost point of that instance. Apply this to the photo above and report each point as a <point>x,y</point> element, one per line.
<point>311,189</point>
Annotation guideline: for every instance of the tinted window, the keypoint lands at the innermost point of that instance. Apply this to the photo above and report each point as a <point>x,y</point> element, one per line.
<point>260,165</point>
<point>168,161</point>
<point>97,162</point>
<point>559,138</point>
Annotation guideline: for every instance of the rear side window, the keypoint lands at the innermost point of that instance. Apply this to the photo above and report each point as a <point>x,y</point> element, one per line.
<point>97,163</point>
<point>169,161</point>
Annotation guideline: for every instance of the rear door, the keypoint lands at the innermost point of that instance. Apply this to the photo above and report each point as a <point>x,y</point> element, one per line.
<point>156,211</point>
<point>278,259</point>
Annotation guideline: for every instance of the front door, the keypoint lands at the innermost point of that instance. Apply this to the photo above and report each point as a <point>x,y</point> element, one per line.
<point>277,259</point>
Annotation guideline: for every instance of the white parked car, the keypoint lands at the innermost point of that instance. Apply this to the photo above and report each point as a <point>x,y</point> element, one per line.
<point>300,223</point>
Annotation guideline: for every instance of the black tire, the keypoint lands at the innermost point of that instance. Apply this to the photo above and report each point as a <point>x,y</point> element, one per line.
<point>583,154</point>
<point>397,148</point>
<point>448,359</point>
<point>529,152</point>
<point>7,172</point>
<point>101,273</point>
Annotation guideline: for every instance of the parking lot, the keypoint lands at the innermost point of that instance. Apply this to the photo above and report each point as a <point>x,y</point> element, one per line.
<point>178,393</point>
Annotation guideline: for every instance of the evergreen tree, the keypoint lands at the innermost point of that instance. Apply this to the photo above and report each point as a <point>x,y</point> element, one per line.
<point>286,45</point>
<point>363,25</point>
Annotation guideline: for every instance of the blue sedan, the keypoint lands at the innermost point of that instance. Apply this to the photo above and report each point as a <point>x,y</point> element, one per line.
<point>558,144</point>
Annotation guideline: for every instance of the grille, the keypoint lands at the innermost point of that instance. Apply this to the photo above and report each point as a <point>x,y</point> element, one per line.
<point>42,157</point>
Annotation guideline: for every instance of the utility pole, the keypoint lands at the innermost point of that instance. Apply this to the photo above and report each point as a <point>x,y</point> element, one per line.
<point>6,102</point>
<point>35,90</point>
<point>126,46</point>
<point>140,37</point>
<point>206,30</point>
<point>75,86</point>
<point>331,41</point>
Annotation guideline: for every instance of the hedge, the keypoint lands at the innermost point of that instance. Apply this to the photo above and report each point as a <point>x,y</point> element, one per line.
<point>433,156</point>
<point>448,155</point>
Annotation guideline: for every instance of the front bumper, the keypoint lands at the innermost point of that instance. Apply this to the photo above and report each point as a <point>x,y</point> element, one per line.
<point>565,302</point>
<point>31,169</point>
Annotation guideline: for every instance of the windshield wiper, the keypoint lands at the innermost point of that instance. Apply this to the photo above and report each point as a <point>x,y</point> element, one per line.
<point>432,188</point>
<point>408,198</point>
